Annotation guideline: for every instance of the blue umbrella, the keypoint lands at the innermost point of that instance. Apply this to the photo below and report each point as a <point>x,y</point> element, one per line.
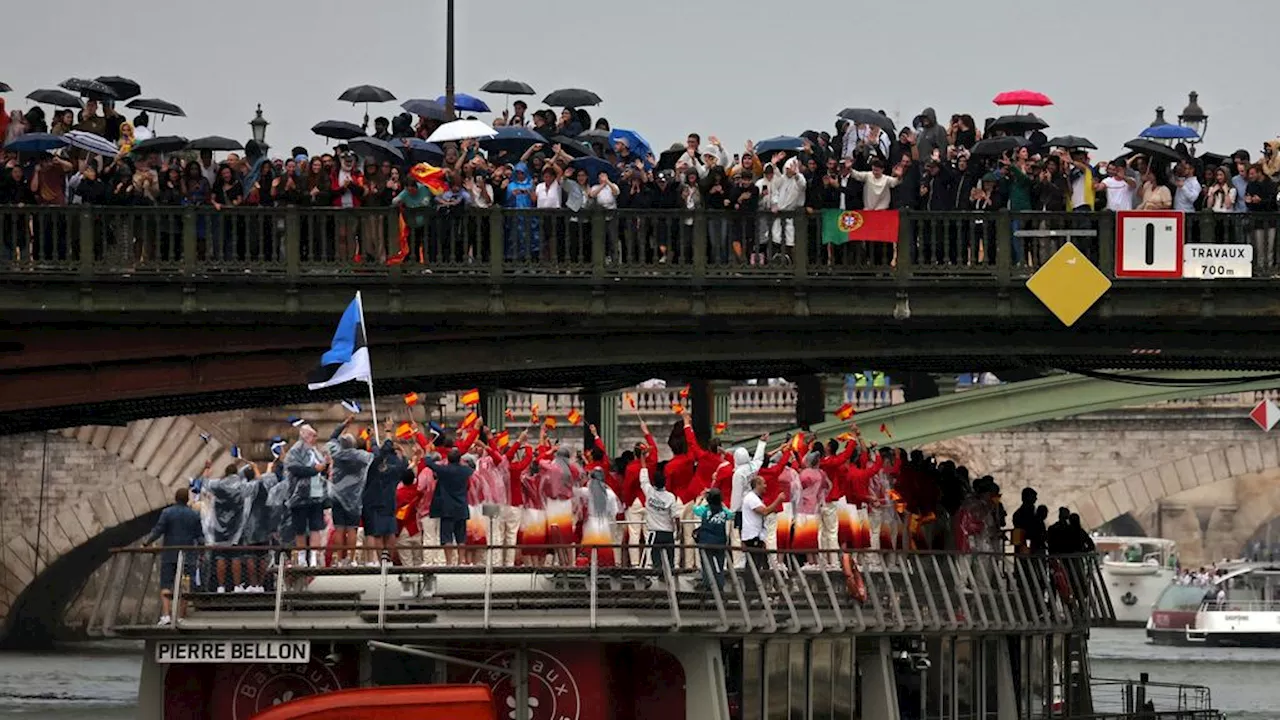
<point>639,146</point>
<point>463,101</point>
<point>417,150</point>
<point>1169,132</point>
<point>594,166</point>
<point>35,142</point>
<point>782,143</point>
<point>513,140</point>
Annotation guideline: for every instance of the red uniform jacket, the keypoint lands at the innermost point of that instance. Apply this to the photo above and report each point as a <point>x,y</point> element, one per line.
<point>631,482</point>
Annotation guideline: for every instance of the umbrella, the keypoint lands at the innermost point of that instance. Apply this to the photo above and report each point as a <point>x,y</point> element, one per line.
<point>123,86</point>
<point>595,136</point>
<point>36,142</point>
<point>215,143</point>
<point>1017,124</point>
<point>513,140</point>
<point>1154,150</point>
<point>594,166</point>
<point>461,130</point>
<point>162,145</point>
<point>429,109</point>
<point>5,87</point>
<point>463,101</point>
<point>373,147</point>
<point>1073,142</point>
<point>417,150</point>
<point>1022,97</point>
<point>91,142</point>
<point>996,146</point>
<point>572,97</point>
<point>366,94</point>
<point>338,130</point>
<point>507,87</point>
<point>668,159</point>
<point>157,106</point>
<point>57,98</point>
<point>91,89</point>
<point>572,147</point>
<point>1168,131</point>
<point>867,116</point>
<point>639,146</point>
<point>782,143</point>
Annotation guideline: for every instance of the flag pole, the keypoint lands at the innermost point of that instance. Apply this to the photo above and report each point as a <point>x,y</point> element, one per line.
<point>373,404</point>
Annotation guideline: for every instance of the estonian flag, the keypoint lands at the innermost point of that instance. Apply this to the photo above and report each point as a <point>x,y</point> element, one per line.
<point>348,357</point>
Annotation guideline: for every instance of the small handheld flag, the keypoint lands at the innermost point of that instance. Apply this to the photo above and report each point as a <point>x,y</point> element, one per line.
<point>295,421</point>
<point>677,408</point>
<point>351,406</point>
<point>510,416</point>
<point>204,436</point>
<point>435,428</point>
<point>364,436</point>
<point>411,399</point>
<point>885,429</point>
<point>684,393</point>
<point>235,451</point>
<point>575,417</point>
<point>471,398</point>
<point>721,427</point>
<point>404,431</point>
<point>348,357</point>
<point>502,440</point>
<point>278,446</point>
<point>844,437</point>
<point>845,411</point>
<point>551,422</point>
<point>631,401</point>
<point>797,443</point>
<point>469,420</point>
<point>533,414</point>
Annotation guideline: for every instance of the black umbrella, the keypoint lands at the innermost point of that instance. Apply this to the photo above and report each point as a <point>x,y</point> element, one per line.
<point>4,87</point>
<point>867,116</point>
<point>1017,124</point>
<point>123,86</point>
<point>573,147</point>
<point>215,143</point>
<point>157,106</point>
<point>417,150</point>
<point>57,98</point>
<point>371,147</point>
<point>91,89</point>
<point>997,146</point>
<point>429,109</point>
<point>514,139</point>
<point>366,94</point>
<point>338,130</point>
<point>668,159</point>
<point>1072,142</point>
<point>1153,150</point>
<point>572,97</point>
<point>507,87</point>
<point>162,145</point>
<point>596,136</point>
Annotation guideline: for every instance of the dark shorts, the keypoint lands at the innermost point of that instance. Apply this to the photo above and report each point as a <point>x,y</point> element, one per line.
<point>344,519</point>
<point>227,553</point>
<point>169,572</point>
<point>378,523</point>
<point>453,531</point>
<point>308,518</point>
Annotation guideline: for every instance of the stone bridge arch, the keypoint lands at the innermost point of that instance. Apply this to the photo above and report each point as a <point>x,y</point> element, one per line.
<point>104,488</point>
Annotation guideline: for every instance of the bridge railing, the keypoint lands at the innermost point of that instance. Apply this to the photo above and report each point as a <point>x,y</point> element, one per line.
<point>998,247</point>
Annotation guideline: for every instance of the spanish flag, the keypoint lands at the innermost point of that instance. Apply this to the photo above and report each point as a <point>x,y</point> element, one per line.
<point>845,411</point>
<point>411,399</point>
<point>684,393</point>
<point>533,414</point>
<point>677,408</point>
<point>510,416</point>
<point>631,401</point>
<point>798,444</point>
<point>404,431</point>
<point>885,429</point>
<point>432,178</point>
<point>551,422</point>
<point>469,420</point>
<point>471,398</point>
<point>844,437</point>
<point>364,436</point>
<point>502,439</point>
<point>721,427</point>
<point>575,417</point>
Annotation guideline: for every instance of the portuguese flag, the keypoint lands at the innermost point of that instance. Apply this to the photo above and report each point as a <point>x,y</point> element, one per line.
<point>840,226</point>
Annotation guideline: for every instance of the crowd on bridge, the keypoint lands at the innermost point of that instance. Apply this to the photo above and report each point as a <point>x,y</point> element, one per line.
<point>471,496</point>
<point>578,166</point>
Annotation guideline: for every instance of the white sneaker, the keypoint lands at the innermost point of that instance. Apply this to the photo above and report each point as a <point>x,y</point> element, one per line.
<point>221,589</point>
<point>240,588</point>
<point>165,620</point>
<point>302,560</point>
<point>314,558</point>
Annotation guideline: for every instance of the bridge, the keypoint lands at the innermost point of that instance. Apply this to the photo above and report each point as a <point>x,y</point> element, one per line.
<point>130,313</point>
<point>1195,470</point>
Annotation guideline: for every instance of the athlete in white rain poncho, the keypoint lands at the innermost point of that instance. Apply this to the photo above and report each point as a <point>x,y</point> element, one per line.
<point>349,465</point>
<point>601,507</point>
<point>229,498</point>
<point>305,466</point>
<point>261,524</point>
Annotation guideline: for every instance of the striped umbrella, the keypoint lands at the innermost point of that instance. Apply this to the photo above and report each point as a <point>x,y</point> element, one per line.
<point>91,142</point>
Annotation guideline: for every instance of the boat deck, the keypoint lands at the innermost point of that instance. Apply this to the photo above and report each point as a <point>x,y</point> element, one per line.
<point>905,593</point>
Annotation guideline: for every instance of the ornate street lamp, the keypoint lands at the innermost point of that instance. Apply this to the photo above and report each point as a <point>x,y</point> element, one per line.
<point>1194,116</point>
<point>259,126</point>
<point>1159,118</point>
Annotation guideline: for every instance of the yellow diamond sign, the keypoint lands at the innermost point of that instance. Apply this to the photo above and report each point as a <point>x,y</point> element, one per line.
<point>1068,284</point>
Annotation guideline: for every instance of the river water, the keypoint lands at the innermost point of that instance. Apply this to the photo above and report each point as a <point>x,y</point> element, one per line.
<point>99,681</point>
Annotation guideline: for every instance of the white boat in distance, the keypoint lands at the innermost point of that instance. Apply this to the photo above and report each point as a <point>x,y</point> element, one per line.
<point>1136,571</point>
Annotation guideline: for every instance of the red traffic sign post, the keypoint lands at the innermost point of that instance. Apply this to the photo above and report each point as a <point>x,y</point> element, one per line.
<point>1265,414</point>
<point>1149,244</point>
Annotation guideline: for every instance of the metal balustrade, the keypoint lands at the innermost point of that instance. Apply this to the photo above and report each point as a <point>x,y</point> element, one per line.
<point>586,593</point>
<point>986,248</point>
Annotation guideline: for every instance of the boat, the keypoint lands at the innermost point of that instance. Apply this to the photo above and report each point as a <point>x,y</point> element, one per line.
<point>1238,608</point>
<point>872,634</point>
<point>1136,570</point>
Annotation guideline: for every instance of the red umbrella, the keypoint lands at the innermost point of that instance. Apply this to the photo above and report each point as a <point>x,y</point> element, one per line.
<point>1022,97</point>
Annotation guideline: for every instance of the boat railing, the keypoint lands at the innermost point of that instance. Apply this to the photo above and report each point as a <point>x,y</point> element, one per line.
<point>1128,697</point>
<point>581,589</point>
<point>1212,605</point>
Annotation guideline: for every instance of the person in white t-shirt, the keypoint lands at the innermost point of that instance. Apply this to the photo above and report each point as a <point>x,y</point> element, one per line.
<point>549,193</point>
<point>1119,187</point>
<point>754,511</point>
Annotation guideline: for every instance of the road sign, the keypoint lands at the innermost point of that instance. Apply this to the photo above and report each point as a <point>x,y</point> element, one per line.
<point>1266,414</point>
<point>1214,262</point>
<point>1068,284</point>
<point>1148,244</point>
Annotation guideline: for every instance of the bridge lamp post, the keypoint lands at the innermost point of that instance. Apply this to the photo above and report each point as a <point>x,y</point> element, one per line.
<point>258,125</point>
<point>1194,116</point>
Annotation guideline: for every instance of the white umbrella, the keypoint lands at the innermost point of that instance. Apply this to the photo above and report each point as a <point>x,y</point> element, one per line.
<point>91,142</point>
<point>461,130</point>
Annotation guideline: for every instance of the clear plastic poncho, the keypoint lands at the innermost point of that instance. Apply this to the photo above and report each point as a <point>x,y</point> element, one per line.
<point>260,522</point>
<point>303,489</point>
<point>278,518</point>
<point>347,476</point>
<point>229,497</point>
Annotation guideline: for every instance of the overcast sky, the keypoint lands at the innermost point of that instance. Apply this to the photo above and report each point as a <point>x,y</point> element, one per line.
<point>734,68</point>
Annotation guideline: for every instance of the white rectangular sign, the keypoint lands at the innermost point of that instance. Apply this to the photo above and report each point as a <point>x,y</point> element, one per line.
<point>294,652</point>
<point>1212,262</point>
